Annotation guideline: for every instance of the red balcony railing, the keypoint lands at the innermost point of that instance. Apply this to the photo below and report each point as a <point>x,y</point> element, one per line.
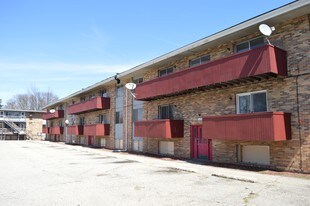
<point>56,130</point>
<point>90,105</point>
<point>97,130</point>
<point>45,130</point>
<point>75,130</point>
<point>262,126</point>
<point>161,128</point>
<point>56,114</point>
<point>259,62</point>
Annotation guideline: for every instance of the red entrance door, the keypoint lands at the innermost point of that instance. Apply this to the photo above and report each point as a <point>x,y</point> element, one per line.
<point>90,140</point>
<point>201,147</point>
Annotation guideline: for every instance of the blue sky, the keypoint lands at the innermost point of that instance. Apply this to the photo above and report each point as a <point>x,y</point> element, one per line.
<point>66,45</point>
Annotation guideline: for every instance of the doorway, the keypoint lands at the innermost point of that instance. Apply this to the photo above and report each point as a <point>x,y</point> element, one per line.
<point>201,148</point>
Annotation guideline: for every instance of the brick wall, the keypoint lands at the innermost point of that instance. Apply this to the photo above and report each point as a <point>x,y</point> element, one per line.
<point>293,36</point>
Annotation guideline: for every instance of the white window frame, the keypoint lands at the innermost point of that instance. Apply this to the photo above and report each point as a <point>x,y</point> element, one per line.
<point>251,105</point>
<point>189,62</point>
<point>165,69</point>
<point>249,46</point>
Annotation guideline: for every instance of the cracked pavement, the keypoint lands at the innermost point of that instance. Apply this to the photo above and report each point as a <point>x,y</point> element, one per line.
<point>47,173</point>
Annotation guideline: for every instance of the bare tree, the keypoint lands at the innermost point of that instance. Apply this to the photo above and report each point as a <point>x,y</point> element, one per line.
<point>34,99</point>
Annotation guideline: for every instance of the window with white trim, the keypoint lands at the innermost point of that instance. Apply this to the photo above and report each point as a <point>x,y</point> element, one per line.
<point>164,72</point>
<point>252,102</point>
<point>103,119</point>
<point>250,44</point>
<point>199,60</point>
<point>119,117</point>
<point>82,121</point>
<point>165,112</point>
<point>103,93</point>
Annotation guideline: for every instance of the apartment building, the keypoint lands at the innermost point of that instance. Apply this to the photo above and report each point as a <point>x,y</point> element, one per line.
<point>233,97</point>
<point>20,124</point>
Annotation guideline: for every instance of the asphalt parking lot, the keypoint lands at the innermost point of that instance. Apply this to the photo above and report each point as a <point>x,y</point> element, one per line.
<point>46,173</point>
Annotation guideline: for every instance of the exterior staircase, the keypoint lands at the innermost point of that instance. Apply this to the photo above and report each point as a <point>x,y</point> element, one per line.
<point>14,127</point>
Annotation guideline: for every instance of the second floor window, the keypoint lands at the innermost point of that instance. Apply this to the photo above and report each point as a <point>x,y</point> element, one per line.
<point>82,99</point>
<point>165,112</point>
<point>104,93</point>
<point>252,102</point>
<point>199,60</point>
<point>251,44</point>
<point>164,72</point>
<point>137,114</point>
<point>103,119</point>
<point>82,121</point>
<point>119,117</point>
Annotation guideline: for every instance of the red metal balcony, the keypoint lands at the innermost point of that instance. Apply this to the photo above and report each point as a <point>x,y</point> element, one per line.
<point>56,130</point>
<point>262,126</point>
<point>161,128</point>
<point>45,130</point>
<point>93,104</point>
<point>258,63</point>
<point>75,130</point>
<point>56,114</point>
<point>97,130</point>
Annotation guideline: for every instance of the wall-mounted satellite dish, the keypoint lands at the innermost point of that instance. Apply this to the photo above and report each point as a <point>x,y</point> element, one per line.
<point>130,86</point>
<point>67,122</point>
<point>265,29</point>
<point>52,111</point>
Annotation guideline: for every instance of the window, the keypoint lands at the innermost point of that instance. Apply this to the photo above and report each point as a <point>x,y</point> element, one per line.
<point>103,119</point>
<point>165,112</point>
<point>164,72</point>
<point>60,123</point>
<point>199,60</point>
<point>82,121</point>
<point>119,91</point>
<point>72,120</point>
<point>137,114</point>
<point>251,44</point>
<point>119,117</point>
<point>252,102</point>
<point>82,99</point>
<point>104,93</point>
<point>138,81</point>
<point>92,96</point>
<point>60,107</point>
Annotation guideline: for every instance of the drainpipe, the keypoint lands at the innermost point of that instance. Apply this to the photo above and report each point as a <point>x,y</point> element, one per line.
<point>126,126</point>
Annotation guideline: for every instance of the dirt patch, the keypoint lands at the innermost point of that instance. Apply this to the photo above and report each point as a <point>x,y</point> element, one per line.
<point>250,196</point>
<point>287,174</point>
<point>173,170</point>
<point>125,161</point>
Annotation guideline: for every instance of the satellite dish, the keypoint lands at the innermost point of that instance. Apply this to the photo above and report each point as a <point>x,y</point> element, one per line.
<point>130,86</point>
<point>67,121</point>
<point>52,111</point>
<point>265,29</point>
